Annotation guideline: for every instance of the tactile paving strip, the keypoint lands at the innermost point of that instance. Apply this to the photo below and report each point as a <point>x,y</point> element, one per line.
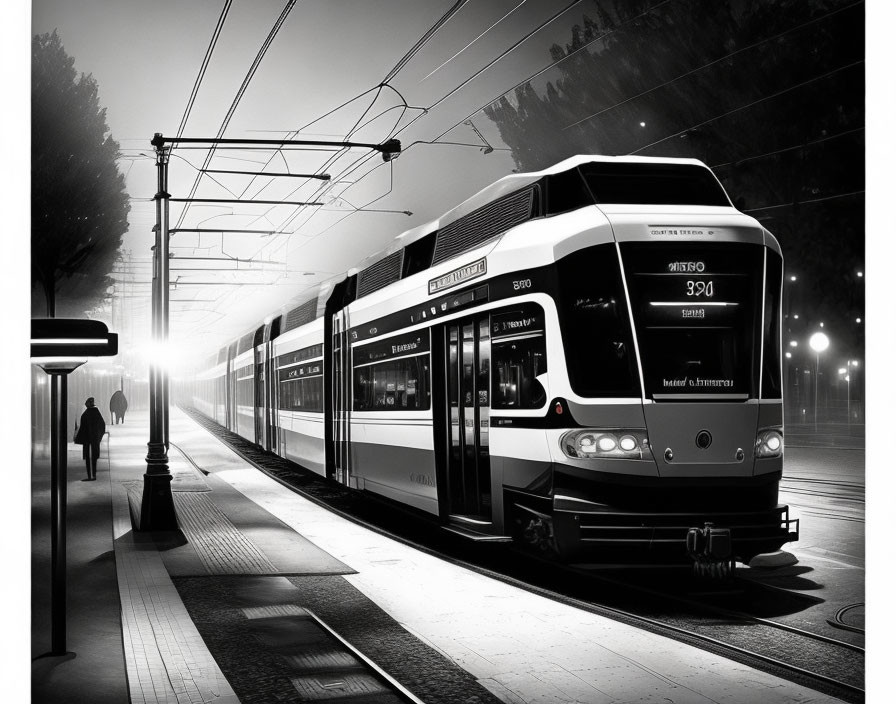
<point>221,547</point>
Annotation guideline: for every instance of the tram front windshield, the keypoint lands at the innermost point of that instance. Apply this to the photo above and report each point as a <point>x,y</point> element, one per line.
<point>697,311</point>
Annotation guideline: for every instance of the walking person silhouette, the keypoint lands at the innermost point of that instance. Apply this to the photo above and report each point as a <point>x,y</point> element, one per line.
<point>90,434</point>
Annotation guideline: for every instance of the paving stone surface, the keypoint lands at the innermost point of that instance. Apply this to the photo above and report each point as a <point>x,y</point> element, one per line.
<point>263,663</point>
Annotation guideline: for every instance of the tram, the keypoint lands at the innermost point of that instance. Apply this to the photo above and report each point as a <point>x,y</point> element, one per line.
<point>585,358</point>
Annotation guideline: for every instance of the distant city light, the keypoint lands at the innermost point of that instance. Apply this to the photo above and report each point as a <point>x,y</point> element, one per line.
<point>788,355</point>
<point>859,274</point>
<point>841,370</point>
<point>793,343</point>
<point>796,317</point>
<point>821,325</point>
<point>643,124</point>
<point>793,278</point>
<point>858,320</point>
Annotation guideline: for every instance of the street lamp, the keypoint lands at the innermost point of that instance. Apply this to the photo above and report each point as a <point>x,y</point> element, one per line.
<point>59,346</point>
<point>819,342</point>
<point>844,372</point>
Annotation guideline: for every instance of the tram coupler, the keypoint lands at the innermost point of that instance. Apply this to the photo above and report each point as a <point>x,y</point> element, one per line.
<point>710,548</point>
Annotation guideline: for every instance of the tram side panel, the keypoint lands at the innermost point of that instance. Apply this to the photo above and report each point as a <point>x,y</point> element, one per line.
<point>299,376</point>
<point>205,390</point>
<point>244,395</point>
<point>391,420</point>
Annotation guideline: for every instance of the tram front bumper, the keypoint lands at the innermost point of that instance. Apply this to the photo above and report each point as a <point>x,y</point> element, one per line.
<point>664,537</point>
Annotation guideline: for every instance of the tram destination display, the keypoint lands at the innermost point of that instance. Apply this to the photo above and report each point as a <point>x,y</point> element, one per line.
<point>694,309</point>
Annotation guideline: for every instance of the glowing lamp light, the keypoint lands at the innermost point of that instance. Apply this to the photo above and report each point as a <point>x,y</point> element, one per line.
<point>858,320</point>
<point>769,443</point>
<point>788,355</point>
<point>793,278</point>
<point>607,443</point>
<point>628,443</point>
<point>819,342</point>
<point>66,343</point>
<point>793,343</point>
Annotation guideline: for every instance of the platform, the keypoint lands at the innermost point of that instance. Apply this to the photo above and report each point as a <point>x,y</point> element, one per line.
<point>222,610</point>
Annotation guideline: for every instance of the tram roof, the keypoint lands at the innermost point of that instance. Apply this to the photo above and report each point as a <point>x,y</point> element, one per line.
<point>514,182</point>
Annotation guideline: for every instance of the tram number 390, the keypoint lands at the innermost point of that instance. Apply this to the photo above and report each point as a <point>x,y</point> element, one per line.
<point>522,284</point>
<point>700,288</point>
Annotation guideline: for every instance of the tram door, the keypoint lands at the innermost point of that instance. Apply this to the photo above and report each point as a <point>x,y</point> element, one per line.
<point>341,394</point>
<point>260,409</point>
<point>467,377</point>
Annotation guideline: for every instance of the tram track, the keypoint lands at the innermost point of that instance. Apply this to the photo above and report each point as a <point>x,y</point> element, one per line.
<point>834,667</point>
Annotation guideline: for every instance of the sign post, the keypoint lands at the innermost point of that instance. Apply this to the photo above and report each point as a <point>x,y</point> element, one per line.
<point>59,346</point>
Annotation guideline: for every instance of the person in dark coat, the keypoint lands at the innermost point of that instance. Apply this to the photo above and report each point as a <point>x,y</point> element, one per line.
<point>90,434</point>
<point>118,404</point>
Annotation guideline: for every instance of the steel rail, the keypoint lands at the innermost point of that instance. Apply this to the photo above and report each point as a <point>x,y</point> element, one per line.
<point>655,625</point>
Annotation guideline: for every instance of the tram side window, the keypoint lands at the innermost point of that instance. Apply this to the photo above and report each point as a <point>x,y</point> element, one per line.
<point>519,355</point>
<point>302,394</point>
<point>597,337</point>
<point>220,389</point>
<point>393,385</point>
<point>771,357</point>
<point>245,392</point>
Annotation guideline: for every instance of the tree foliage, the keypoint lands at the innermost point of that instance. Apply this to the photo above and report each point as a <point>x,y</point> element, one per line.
<point>769,93</point>
<point>79,206</point>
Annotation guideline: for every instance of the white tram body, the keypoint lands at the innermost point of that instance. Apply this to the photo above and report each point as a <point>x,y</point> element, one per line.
<point>587,356</point>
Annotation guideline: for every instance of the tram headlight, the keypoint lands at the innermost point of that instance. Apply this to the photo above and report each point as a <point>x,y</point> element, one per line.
<point>770,443</point>
<point>610,443</point>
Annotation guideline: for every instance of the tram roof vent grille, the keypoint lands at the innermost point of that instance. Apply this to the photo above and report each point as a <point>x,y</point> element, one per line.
<point>300,315</point>
<point>380,274</point>
<point>483,224</point>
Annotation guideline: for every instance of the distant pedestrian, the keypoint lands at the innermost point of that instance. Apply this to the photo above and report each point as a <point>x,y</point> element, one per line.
<point>118,405</point>
<point>90,434</point>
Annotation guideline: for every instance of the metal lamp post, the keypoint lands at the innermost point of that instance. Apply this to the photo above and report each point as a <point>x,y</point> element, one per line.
<point>157,505</point>
<point>819,342</point>
<point>59,346</point>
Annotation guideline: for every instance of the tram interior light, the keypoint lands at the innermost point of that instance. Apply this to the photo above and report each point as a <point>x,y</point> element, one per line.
<point>770,443</point>
<point>615,443</point>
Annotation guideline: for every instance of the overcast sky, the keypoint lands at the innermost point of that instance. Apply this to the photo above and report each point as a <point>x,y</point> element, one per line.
<point>146,57</point>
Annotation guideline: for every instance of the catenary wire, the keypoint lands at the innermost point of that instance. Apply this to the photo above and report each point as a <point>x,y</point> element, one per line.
<point>204,67</point>
<point>238,97</point>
